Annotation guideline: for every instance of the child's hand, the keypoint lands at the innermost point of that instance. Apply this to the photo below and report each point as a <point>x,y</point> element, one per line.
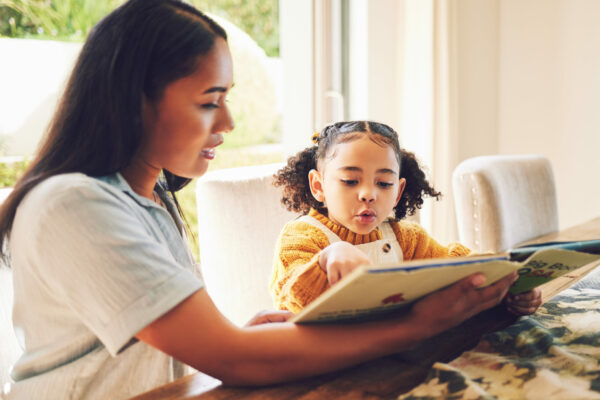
<point>339,259</point>
<point>524,303</point>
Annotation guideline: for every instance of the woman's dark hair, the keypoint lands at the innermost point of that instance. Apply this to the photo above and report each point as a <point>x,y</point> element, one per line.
<point>294,176</point>
<point>131,54</point>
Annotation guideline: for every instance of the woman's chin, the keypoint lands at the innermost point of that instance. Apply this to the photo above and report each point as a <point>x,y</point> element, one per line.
<point>194,171</point>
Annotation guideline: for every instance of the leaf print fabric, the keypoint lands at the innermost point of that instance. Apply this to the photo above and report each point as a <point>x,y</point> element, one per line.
<point>552,354</point>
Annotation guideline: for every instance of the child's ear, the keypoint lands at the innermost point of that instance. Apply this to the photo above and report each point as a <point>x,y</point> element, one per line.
<point>316,185</point>
<point>401,187</point>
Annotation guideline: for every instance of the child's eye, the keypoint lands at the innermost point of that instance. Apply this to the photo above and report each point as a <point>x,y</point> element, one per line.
<point>349,182</point>
<point>385,185</point>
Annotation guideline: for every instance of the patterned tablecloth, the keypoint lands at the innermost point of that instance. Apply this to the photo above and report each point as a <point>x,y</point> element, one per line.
<point>552,354</point>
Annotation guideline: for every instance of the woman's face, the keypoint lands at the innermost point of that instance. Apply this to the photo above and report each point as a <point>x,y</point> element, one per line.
<point>187,123</point>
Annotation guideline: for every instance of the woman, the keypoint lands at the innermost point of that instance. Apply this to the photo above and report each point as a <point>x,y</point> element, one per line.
<point>106,302</point>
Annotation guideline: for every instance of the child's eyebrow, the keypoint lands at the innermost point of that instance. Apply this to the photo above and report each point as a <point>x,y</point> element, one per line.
<point>379,171</point>
<point>386,171</point>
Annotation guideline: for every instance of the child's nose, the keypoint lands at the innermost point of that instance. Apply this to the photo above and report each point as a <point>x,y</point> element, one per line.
<point>367,196</point>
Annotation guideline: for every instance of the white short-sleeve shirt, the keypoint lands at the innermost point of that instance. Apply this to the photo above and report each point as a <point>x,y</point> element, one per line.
<point>94,263</point>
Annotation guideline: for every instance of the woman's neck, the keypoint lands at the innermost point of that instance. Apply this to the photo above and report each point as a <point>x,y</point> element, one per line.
<point>141,176</point>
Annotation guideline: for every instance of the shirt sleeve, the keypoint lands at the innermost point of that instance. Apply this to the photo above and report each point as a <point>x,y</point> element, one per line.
<point>297,278</point>
<point>93,251</point>
<point>417,244</point>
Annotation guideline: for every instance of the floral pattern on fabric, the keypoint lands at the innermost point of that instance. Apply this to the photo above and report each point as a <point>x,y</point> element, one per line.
<point>552,354</point>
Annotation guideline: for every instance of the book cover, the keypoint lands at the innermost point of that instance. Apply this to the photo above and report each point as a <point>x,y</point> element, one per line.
<point>370,291</point>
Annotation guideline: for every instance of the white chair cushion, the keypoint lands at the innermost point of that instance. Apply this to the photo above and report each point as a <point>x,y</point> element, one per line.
<point>502,200</point>
<point>239,219</point>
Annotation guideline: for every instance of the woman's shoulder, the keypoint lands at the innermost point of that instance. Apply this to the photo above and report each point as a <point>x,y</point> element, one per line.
<point>67,191</point>
<point>63,187</point>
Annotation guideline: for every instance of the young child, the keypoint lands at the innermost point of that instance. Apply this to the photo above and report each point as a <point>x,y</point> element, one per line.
<point>354,187</point>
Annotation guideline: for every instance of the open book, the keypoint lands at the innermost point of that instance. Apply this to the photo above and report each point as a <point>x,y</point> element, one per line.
<point>373,290</point>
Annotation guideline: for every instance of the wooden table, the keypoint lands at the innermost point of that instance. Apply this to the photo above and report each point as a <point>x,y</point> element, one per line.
<point>390,376</point>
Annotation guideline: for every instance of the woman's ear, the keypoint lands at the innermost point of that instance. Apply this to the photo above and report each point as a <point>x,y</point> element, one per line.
<point>401,187</point>
<point>316,185</point>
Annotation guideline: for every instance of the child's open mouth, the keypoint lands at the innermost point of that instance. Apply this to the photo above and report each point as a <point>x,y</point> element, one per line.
<point>366,217</point>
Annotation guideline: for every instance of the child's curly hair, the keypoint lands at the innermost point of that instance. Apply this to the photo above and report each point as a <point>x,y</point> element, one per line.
<point>294,176</point>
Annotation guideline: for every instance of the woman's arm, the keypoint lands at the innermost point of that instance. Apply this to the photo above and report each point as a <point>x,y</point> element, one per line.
<point>196,333</point>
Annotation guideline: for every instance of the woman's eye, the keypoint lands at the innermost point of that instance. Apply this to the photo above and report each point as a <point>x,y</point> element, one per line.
<point>349,182</point>
<point>210,105</point>
<point>385,184</point>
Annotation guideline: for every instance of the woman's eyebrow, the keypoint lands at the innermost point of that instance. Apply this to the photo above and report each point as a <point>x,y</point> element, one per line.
<point>221,89</point>
<point>216,89</point>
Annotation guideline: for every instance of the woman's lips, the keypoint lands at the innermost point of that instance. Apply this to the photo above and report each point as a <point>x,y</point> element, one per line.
<point>209,153</point>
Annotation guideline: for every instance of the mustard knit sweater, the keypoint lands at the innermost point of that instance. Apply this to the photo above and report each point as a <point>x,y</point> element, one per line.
<point>298,279</point>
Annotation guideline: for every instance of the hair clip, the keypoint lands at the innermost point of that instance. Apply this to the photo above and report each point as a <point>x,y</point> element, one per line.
<point>315,138</point>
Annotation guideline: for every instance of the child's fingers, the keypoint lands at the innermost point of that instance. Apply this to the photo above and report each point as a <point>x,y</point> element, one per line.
<point>526,296</point>
<point>333,275</point>
<point>524,303</point>
<point>532,297</point>
<point>517,310</point>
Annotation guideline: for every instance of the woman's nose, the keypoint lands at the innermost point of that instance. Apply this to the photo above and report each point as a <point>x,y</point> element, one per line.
<point>226,123</point>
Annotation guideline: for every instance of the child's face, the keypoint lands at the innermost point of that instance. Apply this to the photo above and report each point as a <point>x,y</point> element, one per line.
<point>359,184</point>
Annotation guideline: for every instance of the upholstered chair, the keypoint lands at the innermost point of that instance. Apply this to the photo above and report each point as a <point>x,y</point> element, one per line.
<point>239,219</point>
<point>503,200</point>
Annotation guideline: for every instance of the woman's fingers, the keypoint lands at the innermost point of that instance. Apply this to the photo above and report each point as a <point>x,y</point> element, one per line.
<point>492,295</point>
<point>451,306</point>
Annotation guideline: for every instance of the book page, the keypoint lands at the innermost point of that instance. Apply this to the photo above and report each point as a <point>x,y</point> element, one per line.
<point>545,265</point>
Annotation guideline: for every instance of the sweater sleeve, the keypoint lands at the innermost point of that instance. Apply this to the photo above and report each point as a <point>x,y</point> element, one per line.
<point>297,278</point>
<point>417,244</point>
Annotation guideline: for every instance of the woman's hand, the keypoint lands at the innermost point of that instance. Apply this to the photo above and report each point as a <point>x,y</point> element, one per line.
<point>449,307</point>
<point>339,259</point>
<point>268,316</point>
<point>524,303</point>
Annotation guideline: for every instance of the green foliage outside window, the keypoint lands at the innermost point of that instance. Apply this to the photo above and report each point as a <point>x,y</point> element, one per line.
<point>11,172</point>
<point>258,18</point>
<point>66,20</point>
<point>71,20</point>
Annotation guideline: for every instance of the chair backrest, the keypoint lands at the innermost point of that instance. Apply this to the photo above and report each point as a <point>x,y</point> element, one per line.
<point>502,200</point>
<point>9,348</point>
<point>239,219</point>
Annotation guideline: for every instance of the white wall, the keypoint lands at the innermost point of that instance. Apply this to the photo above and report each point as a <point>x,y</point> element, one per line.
<point>477,33</point>
<point>32,77</point>
<point>549,94</point>
<point>528,81</point>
